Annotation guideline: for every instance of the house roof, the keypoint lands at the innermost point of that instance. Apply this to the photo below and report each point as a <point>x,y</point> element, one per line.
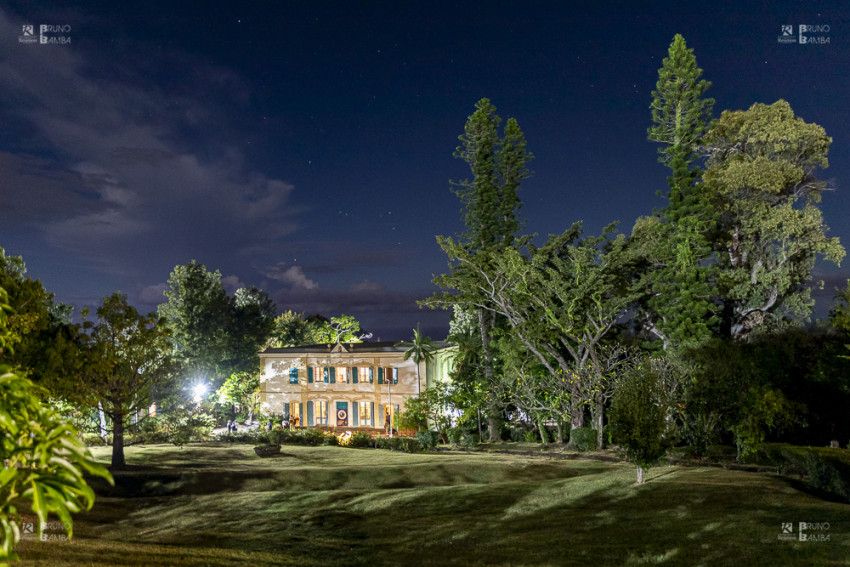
<point>365,347</point>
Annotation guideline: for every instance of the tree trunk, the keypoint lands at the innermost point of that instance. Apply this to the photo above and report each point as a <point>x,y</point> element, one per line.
<point>560,432</point>
<point>597,422</point>
<point>484,327</point>
<point>639,474</point>
<point>118,440</point>
<point>576,412</point>
<point>102,417</point>
<point>544,437</point>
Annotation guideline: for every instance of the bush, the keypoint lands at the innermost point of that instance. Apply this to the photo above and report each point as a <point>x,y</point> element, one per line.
<point>607,436</point>
<point>469,440</point>
<point>330,440</point>
<point>583,439</point>
<point>404,444</point>
<point>825,470</point>
<point>517,434</point>
<point>360,439</point>
<point>428,439</point>
<point>454,434</point>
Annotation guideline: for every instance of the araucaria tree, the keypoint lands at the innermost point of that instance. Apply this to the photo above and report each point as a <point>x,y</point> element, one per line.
<point>678,305</point>
<point>125,355</point>
<point>498,165</point>
<point>762,179</point>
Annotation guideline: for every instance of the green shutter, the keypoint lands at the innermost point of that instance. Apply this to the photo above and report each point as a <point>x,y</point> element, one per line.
<point>371,374</point>
<point>373,414</point>
<point>380,375</point>
<point>309,374</point>
<point>355,413</point>
<point>293,375</point>
<point>354,376</point>
<point>333,374</point>
<point>309,414</point>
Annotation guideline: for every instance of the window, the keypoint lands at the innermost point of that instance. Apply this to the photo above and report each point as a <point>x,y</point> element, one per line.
<point>321,412</point>
<point>365,413</point>
<point>293,375</point>
<point>317,373</point>
<point>395,375</point>
<point>342,374</point>
<point>365,375</point>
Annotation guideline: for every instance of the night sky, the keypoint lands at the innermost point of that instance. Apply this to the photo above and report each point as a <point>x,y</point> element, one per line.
<point>306,147</point>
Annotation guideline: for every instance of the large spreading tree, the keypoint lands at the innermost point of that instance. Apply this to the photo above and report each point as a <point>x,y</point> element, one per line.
<point>126,354</point>
<point>762,178</point>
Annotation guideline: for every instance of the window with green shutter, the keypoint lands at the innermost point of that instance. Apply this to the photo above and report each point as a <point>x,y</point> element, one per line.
<point>309,414</point>
<point>354,374</point>
<point>309,374</point>
<point>333,375</point>
<point>293,375</point>
<point>380,375</point>
<point>395,375</point>
<point>326,375</point>
<point>371,374</point>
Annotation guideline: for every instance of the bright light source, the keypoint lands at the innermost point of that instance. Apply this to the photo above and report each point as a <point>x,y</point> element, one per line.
<point>199,390</point>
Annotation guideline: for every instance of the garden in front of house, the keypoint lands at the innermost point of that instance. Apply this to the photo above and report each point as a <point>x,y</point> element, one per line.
<point>507,504</point>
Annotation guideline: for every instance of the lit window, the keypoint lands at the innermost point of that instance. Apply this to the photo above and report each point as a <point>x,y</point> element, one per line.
<point>366,413</point>
<point>342,374</point>
<point>365,374</point>
<point>321,412</point>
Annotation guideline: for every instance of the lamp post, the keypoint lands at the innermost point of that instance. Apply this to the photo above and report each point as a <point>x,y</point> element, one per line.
<point>390,392</point>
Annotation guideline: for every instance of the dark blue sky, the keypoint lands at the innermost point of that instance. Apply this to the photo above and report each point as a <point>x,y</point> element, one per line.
<point>306,147</point>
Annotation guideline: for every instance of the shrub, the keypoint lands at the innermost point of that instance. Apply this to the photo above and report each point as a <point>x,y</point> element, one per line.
<point>469,440</point>
<point>331,440</point>
<point>454,434</point>
<point>607,437</point>
<point>639,418</point>
<point>583,439</point>
<point>825,470</point>
<point>360,439</point>
<point>310,437</point>
<point>428,439</point>
<point>517,434</point>
<point>404,444</point>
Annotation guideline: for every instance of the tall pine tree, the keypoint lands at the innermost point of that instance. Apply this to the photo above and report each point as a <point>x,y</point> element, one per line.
<point>498,165</point>
<point>678,306</point>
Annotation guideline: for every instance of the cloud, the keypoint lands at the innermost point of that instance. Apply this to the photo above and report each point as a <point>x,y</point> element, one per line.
<point>153,294</point>
<point>125,176</point>
<point>293,275</point>
<point>365,286</point>
<point>232,283</point>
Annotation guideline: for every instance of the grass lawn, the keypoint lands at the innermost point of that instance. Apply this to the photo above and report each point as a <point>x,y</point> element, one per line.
<point>221,505</point>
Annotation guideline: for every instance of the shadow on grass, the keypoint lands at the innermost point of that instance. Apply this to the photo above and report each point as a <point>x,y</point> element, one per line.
<point>353,508</point>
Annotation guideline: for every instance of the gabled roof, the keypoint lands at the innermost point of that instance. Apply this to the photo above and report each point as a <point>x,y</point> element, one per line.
<point>364,348</point>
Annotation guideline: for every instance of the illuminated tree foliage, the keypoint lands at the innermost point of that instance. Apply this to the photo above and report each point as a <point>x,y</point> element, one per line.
<point>761,178</point>
<point>498,165</point>
<point>126,354</point>
<point>673,244</point>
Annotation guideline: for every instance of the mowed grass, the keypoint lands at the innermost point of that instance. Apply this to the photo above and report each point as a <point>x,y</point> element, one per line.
<point>221,505</point>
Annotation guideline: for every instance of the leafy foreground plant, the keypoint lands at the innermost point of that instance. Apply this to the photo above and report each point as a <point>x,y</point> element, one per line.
<point>44,458</point>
